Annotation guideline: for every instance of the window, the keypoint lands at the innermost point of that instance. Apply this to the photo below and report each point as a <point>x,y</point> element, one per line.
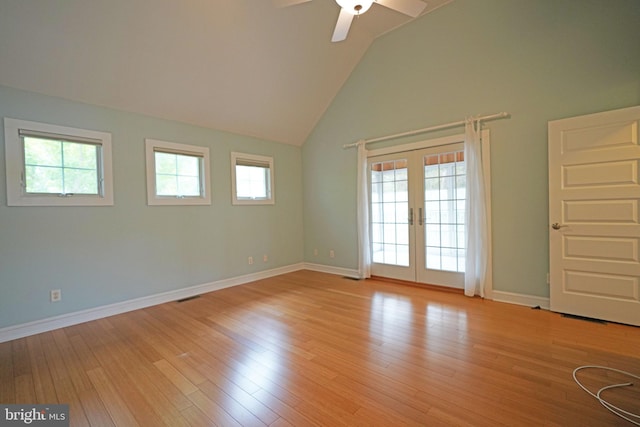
<point>177,174</point>
<point>390,212</point>
<point>49,165</point>
<point>445,186</point>
<point>252,179</point>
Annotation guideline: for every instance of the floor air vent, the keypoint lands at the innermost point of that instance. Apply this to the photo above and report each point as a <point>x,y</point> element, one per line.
<point>587,319</point>
<point>188,298</point>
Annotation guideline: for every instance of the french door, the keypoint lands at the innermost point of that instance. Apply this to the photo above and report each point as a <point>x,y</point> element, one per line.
<point>417,201</point>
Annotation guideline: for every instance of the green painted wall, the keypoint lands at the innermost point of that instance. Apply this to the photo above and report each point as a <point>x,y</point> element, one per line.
<point>539,60</point>
<point>103,255</point>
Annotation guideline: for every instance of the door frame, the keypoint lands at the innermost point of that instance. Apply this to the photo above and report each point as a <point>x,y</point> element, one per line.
<point>486,164</point>
<point>583,304</point>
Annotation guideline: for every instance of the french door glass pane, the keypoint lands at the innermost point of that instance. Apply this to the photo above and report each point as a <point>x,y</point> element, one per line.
<point>389,212</point>
<point>444,187</point>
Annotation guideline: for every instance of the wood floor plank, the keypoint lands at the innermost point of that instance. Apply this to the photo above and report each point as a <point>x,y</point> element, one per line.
<point>286,412</point>
<point>117,408</point>
<point>138,407</point>
<point>142,383</point>
<point>72,362</point>
<point>158,398</point>
<point>281,422</point>
<point>7,374</point>
<point>439,417</point>
<point>314,349</point>
<point>195,417</point>
<point>42,380</point>
<point>173,375</point>
<point>182,365</point>
<point>85,356</point>
<point>213,410</point>
<point>229,373</point>
<point>94,408</point>
<point>24,389</point>
<point>398,404</point>
<point>326,415</point>
<point>21,361</point>
<point>64,388</point>
<point>235,406</point>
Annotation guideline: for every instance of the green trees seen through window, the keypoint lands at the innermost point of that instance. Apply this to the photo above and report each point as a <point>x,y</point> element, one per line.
<point>60,167</point>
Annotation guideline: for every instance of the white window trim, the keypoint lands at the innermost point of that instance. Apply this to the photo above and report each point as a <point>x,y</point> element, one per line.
<point>172,147</point>
<point>256,158</point>
<point>14,157</point>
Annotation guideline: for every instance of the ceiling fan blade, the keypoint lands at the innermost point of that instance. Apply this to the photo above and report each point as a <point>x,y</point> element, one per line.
<point>287,3</point>
<point>342,26</point>
<point>412,8</point>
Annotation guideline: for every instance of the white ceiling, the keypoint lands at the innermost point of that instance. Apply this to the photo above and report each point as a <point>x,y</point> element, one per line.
<point>243,66</point>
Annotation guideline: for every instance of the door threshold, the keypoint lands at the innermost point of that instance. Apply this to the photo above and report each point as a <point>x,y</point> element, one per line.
<point>419,285</point>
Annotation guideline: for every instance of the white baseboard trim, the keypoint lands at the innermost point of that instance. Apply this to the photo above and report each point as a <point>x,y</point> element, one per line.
<point>44,325</point>
<point>340,271</point>
<point>521,299</point>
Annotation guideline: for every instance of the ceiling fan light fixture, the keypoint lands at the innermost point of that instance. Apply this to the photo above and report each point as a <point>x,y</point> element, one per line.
<point>355,7</point>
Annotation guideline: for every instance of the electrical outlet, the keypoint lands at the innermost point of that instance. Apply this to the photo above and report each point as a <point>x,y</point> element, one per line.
<point>315,252</point>
<point>332,254</point>
<point>56,295</point>
<point>250,260</point>
<point>265,258</point>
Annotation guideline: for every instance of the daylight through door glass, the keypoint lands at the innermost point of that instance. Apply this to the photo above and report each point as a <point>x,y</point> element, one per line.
<point>444,206</point>
<point>390,212</point>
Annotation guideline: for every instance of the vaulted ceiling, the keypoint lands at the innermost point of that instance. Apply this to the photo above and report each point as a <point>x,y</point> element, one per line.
<point>242,66</point>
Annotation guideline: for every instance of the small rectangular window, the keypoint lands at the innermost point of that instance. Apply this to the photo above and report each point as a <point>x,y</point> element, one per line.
<point>252,179</point>
<point>56,166</point>
<point>50,165</point>
<point>177,174</point>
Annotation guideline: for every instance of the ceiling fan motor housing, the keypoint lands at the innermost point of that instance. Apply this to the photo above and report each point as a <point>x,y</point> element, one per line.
<point>355,7</point>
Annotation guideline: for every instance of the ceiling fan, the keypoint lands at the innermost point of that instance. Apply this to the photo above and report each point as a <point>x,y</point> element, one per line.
<point>351,8</point>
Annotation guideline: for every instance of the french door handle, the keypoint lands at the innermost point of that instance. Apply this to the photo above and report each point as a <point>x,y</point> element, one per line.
<point>420,217</point>
<point>410,216</point>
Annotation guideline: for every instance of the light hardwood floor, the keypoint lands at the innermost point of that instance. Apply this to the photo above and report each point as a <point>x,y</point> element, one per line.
<point>310,348</point>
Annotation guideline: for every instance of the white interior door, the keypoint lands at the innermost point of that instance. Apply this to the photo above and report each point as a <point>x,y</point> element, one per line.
<point>594,192</point>
<point>417,215</point>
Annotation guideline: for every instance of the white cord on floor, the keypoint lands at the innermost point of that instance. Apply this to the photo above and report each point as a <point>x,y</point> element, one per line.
<point>629,416</point>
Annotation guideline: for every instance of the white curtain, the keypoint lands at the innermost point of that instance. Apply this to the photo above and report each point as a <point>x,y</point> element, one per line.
<point>476,213</point>
<point>364,246</point>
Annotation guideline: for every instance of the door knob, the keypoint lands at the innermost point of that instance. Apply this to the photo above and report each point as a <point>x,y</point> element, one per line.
<point>557,226</point>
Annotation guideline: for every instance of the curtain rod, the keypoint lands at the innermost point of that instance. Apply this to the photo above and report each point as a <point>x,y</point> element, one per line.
<point>431,128</point>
